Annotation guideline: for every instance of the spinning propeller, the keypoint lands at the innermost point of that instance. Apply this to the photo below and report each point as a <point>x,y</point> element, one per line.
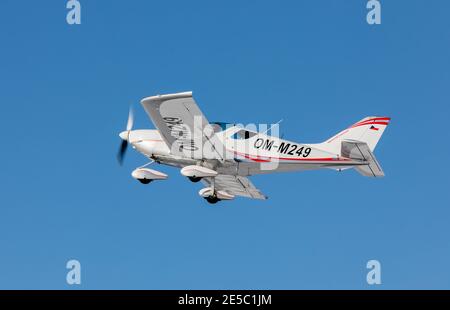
<point>125,135</point>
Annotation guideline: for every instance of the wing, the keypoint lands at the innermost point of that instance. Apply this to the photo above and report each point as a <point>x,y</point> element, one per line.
<point>235,185</point>
<point>183,126</point>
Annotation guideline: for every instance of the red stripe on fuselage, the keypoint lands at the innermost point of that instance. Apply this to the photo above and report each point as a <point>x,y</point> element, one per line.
<point>269,158</point>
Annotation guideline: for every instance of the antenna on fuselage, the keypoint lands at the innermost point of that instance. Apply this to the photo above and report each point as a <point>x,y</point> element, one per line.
<point>277,123</point>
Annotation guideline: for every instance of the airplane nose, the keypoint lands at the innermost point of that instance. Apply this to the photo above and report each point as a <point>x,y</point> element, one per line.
<point>124,135</point>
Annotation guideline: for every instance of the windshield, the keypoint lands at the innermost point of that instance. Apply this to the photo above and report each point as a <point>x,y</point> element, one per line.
<point>243,135</point>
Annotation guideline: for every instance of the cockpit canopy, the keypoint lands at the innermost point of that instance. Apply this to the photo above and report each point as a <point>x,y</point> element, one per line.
<point>243,134</point>
<point>236,132</point>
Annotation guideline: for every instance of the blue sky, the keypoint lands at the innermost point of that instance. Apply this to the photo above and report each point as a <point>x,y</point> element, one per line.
<point>65,92</point>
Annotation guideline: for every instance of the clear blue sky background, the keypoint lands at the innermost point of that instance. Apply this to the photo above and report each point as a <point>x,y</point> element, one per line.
<point>65,92</point>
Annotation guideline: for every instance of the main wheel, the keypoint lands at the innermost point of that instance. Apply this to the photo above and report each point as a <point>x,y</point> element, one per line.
<point>145,181</point>
<point>194,179</point>
<point>212,199</point>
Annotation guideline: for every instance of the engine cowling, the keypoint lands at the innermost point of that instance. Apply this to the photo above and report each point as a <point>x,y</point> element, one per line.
<point>195,171</point>
<point>146,174</point>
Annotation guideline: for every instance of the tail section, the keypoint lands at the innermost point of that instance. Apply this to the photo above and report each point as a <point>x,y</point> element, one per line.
<point>368,130</point>
<point>357,142</point>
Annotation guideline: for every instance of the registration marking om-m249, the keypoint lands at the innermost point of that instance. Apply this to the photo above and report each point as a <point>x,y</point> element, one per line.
<point>284,148</point>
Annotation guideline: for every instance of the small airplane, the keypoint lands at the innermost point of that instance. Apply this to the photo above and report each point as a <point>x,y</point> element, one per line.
<point>223,155</point>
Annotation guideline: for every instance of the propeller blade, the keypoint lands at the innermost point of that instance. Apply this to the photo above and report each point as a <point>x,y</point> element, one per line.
<point>130,119</point>
<point>122,151</point>
<point>125,135</point>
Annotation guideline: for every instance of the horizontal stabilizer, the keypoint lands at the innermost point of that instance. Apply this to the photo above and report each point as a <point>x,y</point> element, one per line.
<point>358,150</point>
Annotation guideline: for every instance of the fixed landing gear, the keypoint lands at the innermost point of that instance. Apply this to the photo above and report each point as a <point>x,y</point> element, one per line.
<point>145,181</point>
<point>212,199</point>
<point>146,175</point>
<point>213,195</point>
<point>194,179</point>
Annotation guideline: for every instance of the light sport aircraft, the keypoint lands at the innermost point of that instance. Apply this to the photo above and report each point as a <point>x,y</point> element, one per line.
<point>222,155</point>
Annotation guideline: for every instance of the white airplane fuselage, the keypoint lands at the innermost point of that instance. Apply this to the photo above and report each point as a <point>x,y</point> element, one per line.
<point>258,154</point>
